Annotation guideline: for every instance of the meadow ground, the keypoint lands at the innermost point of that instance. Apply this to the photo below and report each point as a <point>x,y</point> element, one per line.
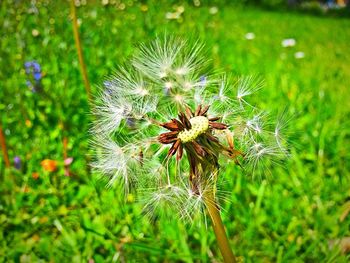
<point>296,214</point>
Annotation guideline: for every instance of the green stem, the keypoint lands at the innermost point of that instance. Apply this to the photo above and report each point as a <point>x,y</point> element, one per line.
<point>79,50</point>
<point>219,230</point>
<point>4,149</point>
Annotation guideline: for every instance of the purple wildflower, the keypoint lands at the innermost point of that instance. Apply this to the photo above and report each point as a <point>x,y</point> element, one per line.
<point>33,68</point>
<point>36,67</point>
<point>37,76</point>
<point>17,162</point>
<point>33,71</point>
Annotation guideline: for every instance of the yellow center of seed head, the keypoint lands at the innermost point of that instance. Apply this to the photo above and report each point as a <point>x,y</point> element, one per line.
<point>200,125</point>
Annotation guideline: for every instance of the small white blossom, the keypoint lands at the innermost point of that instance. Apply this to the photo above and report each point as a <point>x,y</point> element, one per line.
<point>288,42</point>
<point>299,55</point>
<point>250,36</point>
<point>213,10</point>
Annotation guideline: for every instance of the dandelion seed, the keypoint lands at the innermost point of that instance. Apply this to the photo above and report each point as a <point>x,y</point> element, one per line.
<point>179,98</point>
<point>168,85</point>
<point>280,127</point>
<point>110,114</point>
<point>246,87</point>
<point>181,71</point>
<point>158,60</point>
<point>164,199</point>
<point>141,91</point>
<point>261,156</point>
<point>163,73</point>
<point>222,96</point>
<point>119,163</point>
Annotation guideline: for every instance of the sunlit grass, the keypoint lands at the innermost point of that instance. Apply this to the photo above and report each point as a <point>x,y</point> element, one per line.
<point>291,216</point>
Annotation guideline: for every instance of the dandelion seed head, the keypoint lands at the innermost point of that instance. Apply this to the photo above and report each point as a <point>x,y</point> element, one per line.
<point>165,127</point>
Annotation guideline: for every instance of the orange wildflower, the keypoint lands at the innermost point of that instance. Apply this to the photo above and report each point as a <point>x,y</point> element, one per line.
<point>35,175</point>
<point>49,165</point>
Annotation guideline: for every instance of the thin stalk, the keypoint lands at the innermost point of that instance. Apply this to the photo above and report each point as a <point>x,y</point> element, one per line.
<point>4,149</point>
<point>65,156</point>
<point>219,230</point>
<point>79,50</point>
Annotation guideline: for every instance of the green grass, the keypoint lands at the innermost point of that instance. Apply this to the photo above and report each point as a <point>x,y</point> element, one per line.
<point>289,217</point>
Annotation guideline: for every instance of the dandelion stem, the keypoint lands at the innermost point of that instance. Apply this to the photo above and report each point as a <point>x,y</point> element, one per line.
<point>219,230</point>
<point>3,147</point>
<point>79,50</point>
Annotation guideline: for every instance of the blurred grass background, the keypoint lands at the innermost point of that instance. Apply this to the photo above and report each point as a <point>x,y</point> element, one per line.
<point>297,215</point>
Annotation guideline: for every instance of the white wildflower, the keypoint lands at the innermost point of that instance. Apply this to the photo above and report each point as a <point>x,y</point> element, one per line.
<point>213,10</point>
<point>250,36</point>
<point>299,55</point>
<point>288,42</point>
